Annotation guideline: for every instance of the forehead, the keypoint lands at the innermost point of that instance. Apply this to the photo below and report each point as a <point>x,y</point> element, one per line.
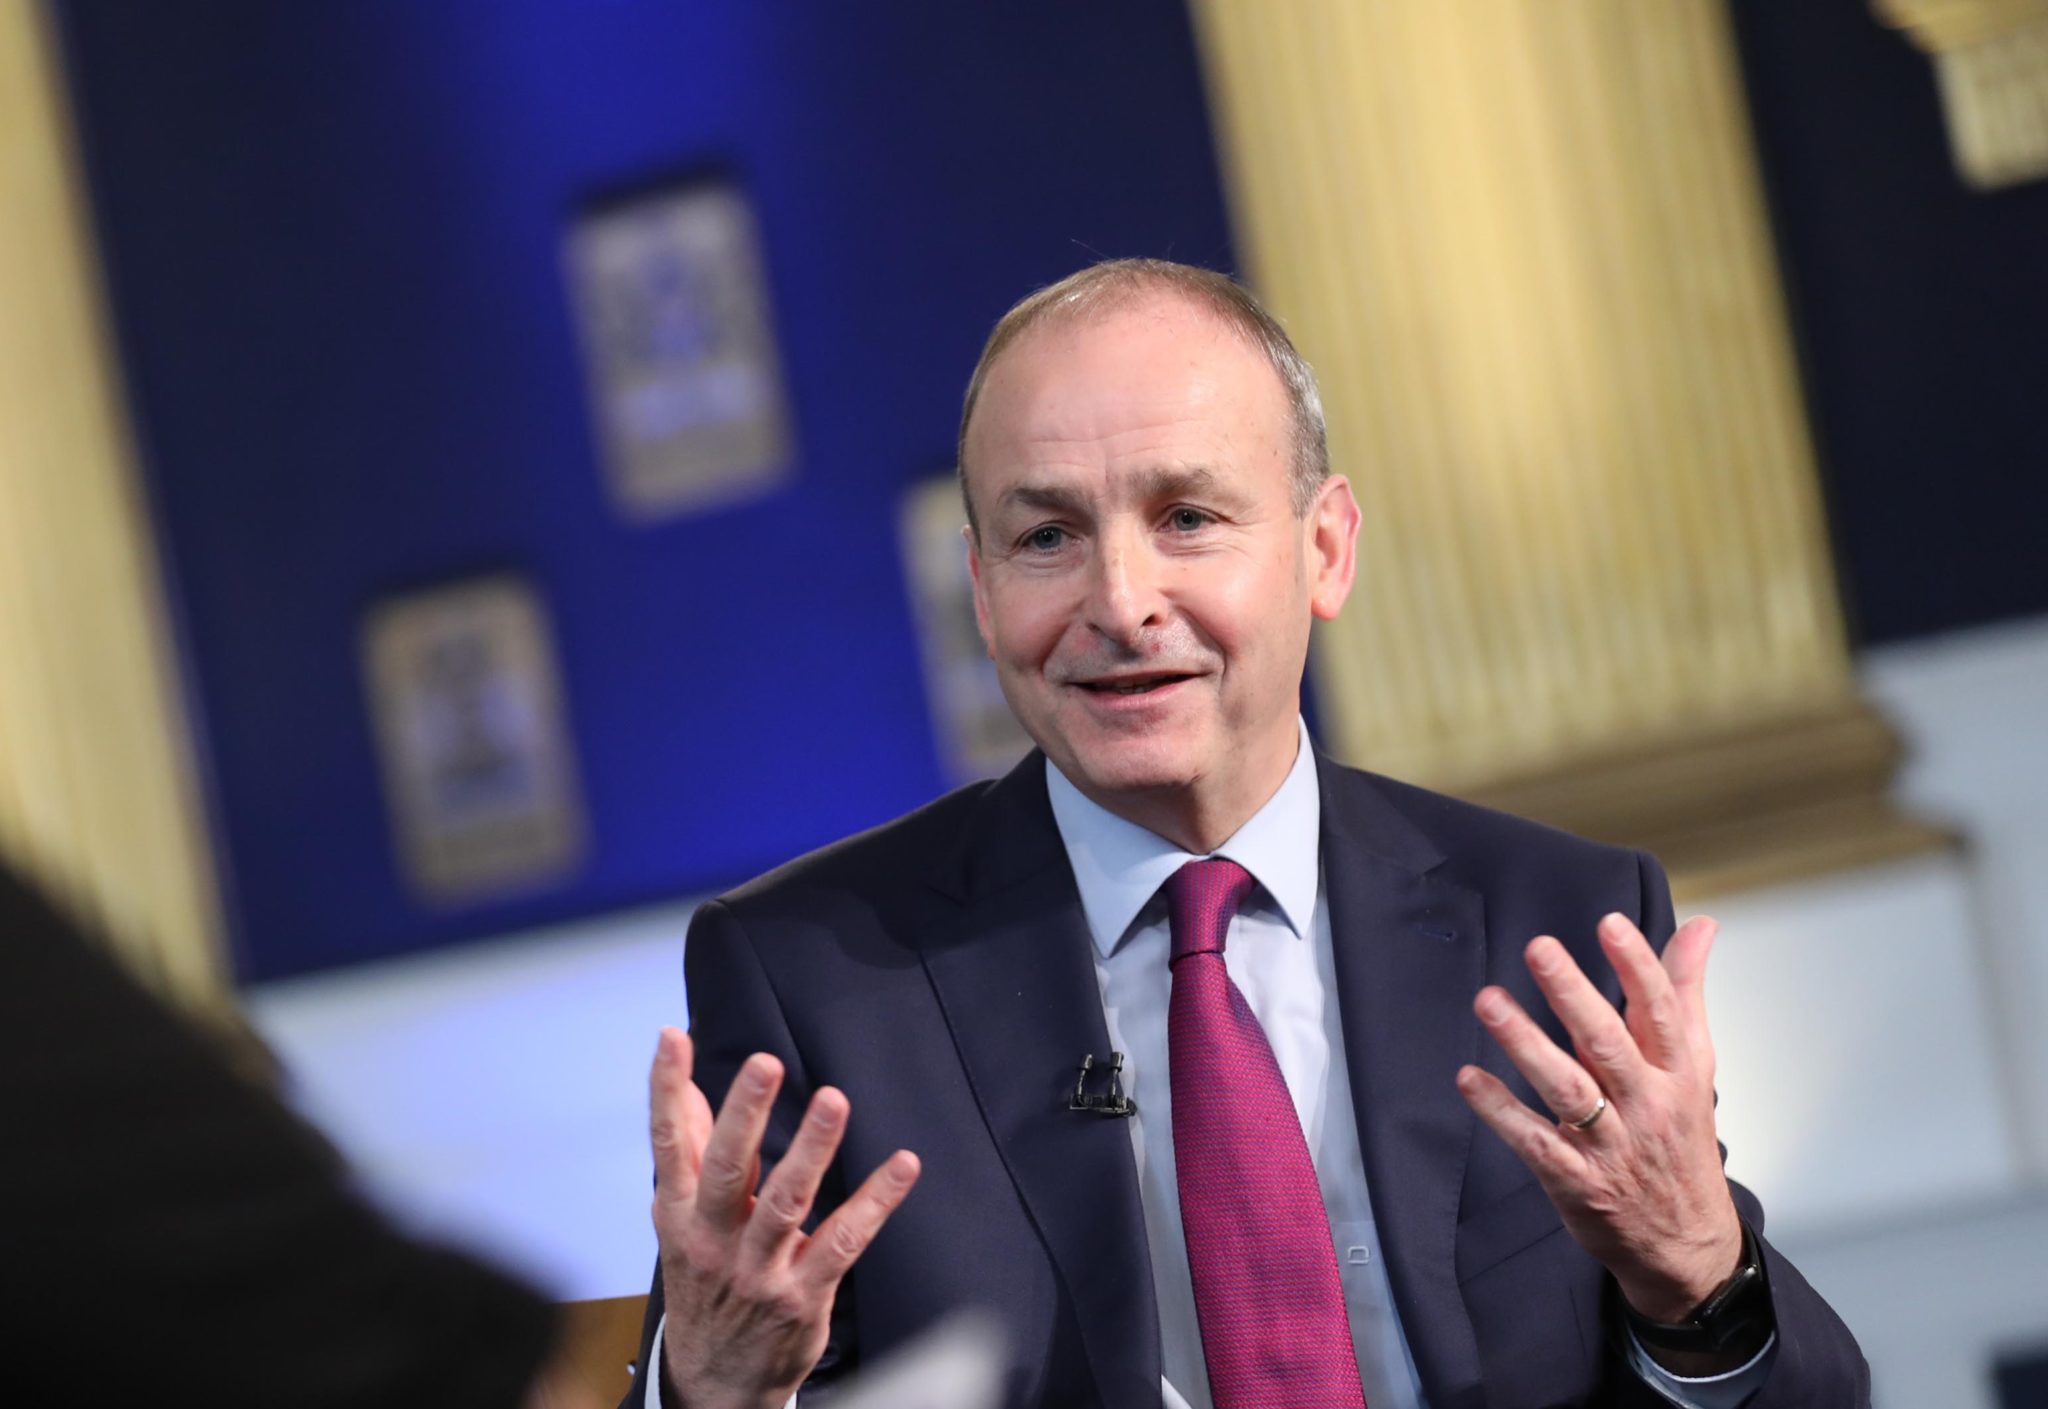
<point>1150,381</point>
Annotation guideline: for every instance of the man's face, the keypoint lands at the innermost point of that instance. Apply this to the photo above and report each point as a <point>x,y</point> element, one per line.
<point>1140,577</point>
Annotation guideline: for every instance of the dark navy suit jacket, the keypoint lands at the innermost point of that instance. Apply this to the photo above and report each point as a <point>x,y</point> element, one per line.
<point>939,971</point>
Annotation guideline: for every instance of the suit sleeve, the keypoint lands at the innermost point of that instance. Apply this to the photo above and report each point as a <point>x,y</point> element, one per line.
<point>734,1013</point>
<point>1817,1363</point>
<point>175,1235</point>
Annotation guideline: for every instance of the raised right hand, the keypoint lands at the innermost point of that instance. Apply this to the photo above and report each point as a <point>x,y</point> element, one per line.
<point>748,1292</point>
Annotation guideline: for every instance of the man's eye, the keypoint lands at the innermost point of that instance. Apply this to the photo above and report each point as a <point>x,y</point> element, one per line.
<point>1045,539</point>
<point>1188,520</point>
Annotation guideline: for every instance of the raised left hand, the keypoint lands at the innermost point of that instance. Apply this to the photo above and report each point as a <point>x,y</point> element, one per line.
<point>1640,1186</point>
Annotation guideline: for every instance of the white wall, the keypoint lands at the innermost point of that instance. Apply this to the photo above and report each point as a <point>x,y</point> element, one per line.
<point>1936,1295</point>
<point>1859,1077</point>
<point>1884,1059</point>
<point>497,1094</point>
<point>1974,707</point>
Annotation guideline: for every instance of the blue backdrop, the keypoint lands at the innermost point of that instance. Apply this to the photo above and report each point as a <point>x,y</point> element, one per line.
<point>332,231</point>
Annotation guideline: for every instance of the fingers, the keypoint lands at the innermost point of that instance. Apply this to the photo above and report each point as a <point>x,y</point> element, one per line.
<point>1538,1143</point>
<point>844,1236</point>
<point>668,1124</point>
<point>1560,1082</point>
<point>1656,1016</point>
<point>731,1162</point>
<point>1685,960</point>
<point>1601,1039</point>
<point>785,1200</point>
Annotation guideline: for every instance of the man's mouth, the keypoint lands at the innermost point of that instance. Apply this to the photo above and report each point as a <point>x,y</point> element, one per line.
<point>1133,684</point>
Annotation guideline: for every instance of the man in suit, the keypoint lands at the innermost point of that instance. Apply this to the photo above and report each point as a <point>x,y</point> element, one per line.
<point>1331,1190</point>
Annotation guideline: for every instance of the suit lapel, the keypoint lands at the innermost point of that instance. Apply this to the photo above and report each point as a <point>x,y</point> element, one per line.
<point>1017,984</point>
<point>1410,956</point>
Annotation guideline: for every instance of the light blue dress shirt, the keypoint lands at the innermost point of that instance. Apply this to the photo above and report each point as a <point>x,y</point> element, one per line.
<point>1280,956</point>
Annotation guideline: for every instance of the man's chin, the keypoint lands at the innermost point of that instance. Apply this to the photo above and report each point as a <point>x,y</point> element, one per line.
<point>1129,771</point>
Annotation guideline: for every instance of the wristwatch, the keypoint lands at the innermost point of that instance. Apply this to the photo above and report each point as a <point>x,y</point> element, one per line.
<point>1736,1318</point>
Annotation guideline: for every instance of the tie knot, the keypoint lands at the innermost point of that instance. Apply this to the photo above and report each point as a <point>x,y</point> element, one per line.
<point>1200,899</point>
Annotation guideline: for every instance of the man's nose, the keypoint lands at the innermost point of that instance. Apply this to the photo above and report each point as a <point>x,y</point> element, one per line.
<point>1125,595</point>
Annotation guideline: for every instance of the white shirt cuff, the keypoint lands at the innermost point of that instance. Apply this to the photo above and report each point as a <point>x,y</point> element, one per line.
<point>650,1374</point>
<point>1723,1391</point>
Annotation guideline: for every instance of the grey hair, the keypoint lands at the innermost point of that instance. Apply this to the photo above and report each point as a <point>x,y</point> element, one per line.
<point>1115,283</point>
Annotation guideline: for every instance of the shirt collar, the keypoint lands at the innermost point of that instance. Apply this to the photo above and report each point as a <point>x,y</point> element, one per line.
<point>1119,866</point>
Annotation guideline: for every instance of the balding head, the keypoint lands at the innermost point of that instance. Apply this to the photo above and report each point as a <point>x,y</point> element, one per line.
<point>1115,284</point>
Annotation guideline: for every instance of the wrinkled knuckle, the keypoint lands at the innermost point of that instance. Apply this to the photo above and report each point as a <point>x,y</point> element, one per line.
<point>844,1241</point>
<point>780,1206</point>
<point>1607,1046</point>
<point>721,1171</point>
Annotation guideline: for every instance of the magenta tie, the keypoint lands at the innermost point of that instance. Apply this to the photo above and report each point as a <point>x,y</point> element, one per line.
<point>1267,1292</point>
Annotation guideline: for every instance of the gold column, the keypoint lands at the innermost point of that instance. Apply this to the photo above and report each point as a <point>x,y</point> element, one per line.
<point>1525,247</point>
<point>1991,60</point>
<point>96,792</point>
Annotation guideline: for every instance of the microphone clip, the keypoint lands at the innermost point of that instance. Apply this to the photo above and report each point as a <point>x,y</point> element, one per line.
<point>1108,1101</point>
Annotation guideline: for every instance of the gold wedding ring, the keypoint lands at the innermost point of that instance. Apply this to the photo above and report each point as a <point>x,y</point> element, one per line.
<point>1585,1122</point>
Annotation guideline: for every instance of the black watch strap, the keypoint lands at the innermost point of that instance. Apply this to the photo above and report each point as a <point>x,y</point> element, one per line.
<point>1736,1318</point>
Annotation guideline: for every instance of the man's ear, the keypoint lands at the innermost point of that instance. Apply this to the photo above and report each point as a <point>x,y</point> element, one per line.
<point>973,542</point>
<point>1332,546</point>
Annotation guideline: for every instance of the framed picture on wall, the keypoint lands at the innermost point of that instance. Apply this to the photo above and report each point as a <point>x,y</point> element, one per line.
<point>978,737</point>
<point>472,740</point>
<point>672,312</point>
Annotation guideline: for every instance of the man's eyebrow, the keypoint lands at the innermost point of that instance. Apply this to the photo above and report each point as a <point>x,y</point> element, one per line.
<point>1174,481</point>
<point>1045,498</point>
<point>1159,482</point>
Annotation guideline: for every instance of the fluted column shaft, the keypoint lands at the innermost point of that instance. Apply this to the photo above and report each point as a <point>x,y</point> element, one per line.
<point>1524,246</point>
<point>96,791</point>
